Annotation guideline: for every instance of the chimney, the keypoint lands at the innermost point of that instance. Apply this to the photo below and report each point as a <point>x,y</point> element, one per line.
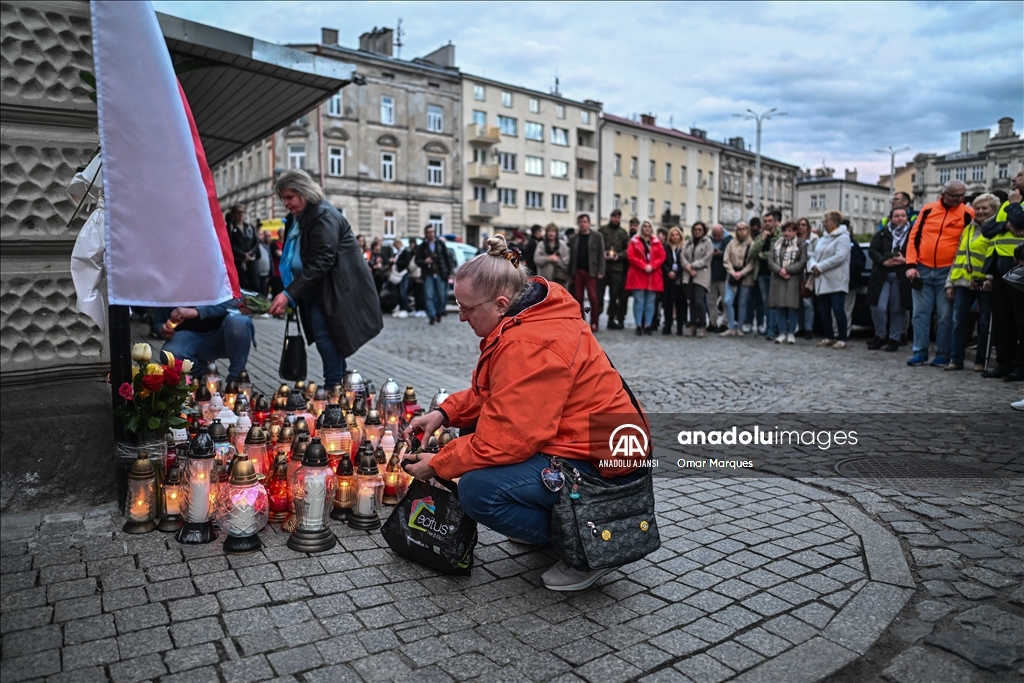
<point>442,56</point>
<point>851,176</point>
<point>379,41</point>
<point>648,119</point>
<point>1006,128</point>
<point>698,133</point>
<point>328,36</point>
<point>977,140</point>
<point>737,143</point>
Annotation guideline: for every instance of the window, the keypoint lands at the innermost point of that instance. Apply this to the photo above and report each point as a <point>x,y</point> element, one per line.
<point>534,166</point>
<point>943,175</point>
<point>682,211</point>
<point>336,161</point>
<point>533,131</point>
<point>711,214</point>
<point>668,172</point>
<point>856,200</point>
<point>559,169</point>
<point>821,202</point>
<point>667,207</point>
<point>814,201</point>
<point>632,167</point>
<point>334,105</point>
<point>534,200</point>
<point>700,178</point>
<point>479,93</point>
<point>559,202</point>
<point>750,187</point>
<point>616,202</point>
<point>534,105</point>
<point>435,118</point>
<point>632,206</point>
<point>436,221</point>
<point>961,173</point>
<point>682,175</point>
<point>480,193</point>
<point>559,136</point>
<point>507,161</point>
<point>506,99</point>
<point>507,196</point>
<point>435,172</point>
<point>480,120</point>
<point>296,156</point>
<point>387,110</point>
<point>846,202</point>
<point>978,173</point>
<point>507,125</point>
<point>387,166</point>
<point>389,223</point>
<point>1003,172</point>
<point>650,208</point>
<point>711,179</point>
<point>771,189</point>
<point>617,165</point>
<point>652,170</point>
<point>698,212</point>
<point>584,117</point>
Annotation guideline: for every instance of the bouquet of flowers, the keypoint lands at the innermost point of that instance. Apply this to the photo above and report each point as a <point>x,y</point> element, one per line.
<point>253,303</point>
<point>154,397</point>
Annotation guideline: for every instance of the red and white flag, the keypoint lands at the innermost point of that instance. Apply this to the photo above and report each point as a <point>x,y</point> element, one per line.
<point>167,244</point>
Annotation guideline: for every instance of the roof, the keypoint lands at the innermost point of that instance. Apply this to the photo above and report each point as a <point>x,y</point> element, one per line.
<point>241,89</point>
<point>670,132</point>
<point>824,181</point>
<point>342,51</point>
<point>592,105</point>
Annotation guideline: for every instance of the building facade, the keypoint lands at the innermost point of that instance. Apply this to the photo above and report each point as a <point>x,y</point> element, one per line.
<point>737,199</point>
<point>658,174</point>
<point>905,178</point>
<point>530,158</point>
<point>984,163</point>
<point>387,151</point>
<point>862,205</point>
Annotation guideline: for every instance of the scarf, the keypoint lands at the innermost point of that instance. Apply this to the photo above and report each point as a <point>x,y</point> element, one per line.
<point>786,252</point>
<point>550,249</point>
<point>899,235</point>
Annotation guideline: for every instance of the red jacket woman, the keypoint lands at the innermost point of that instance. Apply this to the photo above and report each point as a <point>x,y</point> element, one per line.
<point>642,253</point>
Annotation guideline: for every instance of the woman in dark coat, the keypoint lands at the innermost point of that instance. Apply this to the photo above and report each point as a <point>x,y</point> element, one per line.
<point>889,293</point>
<point>331,282</point>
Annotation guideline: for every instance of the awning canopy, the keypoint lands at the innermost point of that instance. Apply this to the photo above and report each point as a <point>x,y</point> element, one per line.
<point>242,89</point>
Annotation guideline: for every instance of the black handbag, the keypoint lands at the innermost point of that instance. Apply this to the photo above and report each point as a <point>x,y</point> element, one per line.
<point>429,527</point>
<point>293,354</point>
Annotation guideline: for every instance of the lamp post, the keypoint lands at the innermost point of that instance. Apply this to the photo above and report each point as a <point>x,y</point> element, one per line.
<point>892,166</point>
<point>752,116</point>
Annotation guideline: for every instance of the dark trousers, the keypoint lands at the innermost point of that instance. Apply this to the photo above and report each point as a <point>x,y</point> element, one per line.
<point>673,301</point>
<point>582,282</point>
<point>833,303</point>
<point>248,277</point>
<point>695,299</point>
<point>1007,324</point>
<point>614,283</point>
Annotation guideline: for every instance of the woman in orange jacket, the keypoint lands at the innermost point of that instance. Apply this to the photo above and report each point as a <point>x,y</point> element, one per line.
<point>540,381</point>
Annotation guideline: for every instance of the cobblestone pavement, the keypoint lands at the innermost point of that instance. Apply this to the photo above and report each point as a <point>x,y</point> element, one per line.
<point>758,580</point>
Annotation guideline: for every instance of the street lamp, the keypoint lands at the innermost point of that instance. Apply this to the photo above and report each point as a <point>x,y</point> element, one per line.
<point>752,116</point>
<point>892,166</point>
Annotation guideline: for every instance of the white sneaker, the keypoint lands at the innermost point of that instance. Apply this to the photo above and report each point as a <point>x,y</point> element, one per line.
<point>781,339</point>
<point>762,329</point>
<point>1018,405</point>
<point>745,329</point>
<point>419,314</point>
<point>402,314</point>
<point>562,577</point>
<point>791,339</point>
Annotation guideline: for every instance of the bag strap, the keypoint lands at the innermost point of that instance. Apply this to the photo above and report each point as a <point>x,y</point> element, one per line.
<point>288,321</point>
<point>450,485</point>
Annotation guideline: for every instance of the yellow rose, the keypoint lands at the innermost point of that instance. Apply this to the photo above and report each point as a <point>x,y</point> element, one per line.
<point>142,353</point>
<point>186,366</point>
<point>154,369</point>
<point>135,371</point>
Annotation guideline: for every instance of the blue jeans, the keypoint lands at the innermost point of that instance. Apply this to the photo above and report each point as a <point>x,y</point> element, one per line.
<point>403,294</point>
<point>833,304</point>
<point>931,298</point>
<point>643,306</point>
<point>888,315</point>
<point>963,297</point>
<point>512,500</point>
<point>435,290</point>
<point>808,312</point>
<point>764,284</point>
<point>787,319</point>
<point>738,296</point>
<point>232,341</point>
<point>333,362</point>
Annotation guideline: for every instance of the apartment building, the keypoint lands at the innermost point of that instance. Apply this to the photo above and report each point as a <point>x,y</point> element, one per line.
<point>863,205</point>
<point>386,150</point>
<point>659,174</point>
<point>737,201</point>
<point>530,157</point>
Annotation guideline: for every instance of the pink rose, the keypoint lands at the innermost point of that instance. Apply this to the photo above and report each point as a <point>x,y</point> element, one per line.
<point>126,391</point>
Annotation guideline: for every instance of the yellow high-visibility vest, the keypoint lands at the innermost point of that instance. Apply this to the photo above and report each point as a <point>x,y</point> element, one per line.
<point>1005,242</point>
<point>970,255</point>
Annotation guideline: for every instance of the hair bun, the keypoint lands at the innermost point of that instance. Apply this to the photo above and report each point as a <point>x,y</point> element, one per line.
<point>496,246</point>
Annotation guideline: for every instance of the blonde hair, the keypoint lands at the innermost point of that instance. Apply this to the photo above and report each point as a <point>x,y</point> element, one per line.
<point>743,225</point>
<point>833,216</point>
<point>299,182</point>
<point>494,273</point>
<point>987,198</point>
<point>675,231</point>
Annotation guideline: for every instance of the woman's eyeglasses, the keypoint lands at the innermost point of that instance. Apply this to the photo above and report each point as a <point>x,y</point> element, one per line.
<point>466,310</point>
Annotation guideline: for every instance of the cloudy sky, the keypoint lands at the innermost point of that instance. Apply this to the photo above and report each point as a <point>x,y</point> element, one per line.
<point>853,77</point>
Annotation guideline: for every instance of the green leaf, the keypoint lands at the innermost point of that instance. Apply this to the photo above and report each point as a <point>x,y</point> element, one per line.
<point>176,421</point>
<point>132,423</point>
<point>88,78</point>
<point>153,422</point>
<point>161,406</point>
<point>92,96</point>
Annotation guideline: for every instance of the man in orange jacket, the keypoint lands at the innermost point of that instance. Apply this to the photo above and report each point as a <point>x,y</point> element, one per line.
<point>931,248</point>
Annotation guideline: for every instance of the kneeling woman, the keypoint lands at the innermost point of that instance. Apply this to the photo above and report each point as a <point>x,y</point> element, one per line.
<point>540,377</point>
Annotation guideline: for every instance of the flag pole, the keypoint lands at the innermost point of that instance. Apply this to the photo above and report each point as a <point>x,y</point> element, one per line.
<point>120,337</point>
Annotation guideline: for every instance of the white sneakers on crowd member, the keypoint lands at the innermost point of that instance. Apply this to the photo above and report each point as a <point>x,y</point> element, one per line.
<point>791,338</point>
<point>745,329</point>
<point>728,333</point>
<point>762,329</point>
<point>562,577</point>
<point>1018,405</point>
<point>400,314</point>
<point>419,314</point>
<point>781,339</point>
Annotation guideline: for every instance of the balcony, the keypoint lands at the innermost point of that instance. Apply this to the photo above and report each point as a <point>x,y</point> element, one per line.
<point>586,153</point>
<point>587,185</point>
<point>482,211</point>
<point>481,173</point>
<point>482,135</point>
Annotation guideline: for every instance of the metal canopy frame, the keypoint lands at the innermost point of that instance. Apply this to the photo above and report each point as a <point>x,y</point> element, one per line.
<point>242,89</point>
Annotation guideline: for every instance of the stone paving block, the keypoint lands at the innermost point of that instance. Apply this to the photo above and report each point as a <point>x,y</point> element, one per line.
<point>790,628</point>
<point>710,630</point>
<point>67,590</point>
<point>55,573</point>
<point>973,591</point>
<point>95,653</point>
<point>170,590</point>
<point>193,608</point>
<point>77,608</point>
<point>735,656</point>
<point>765,604</point>
<point>138,618</point>
<point>341,649</point>
<point>379,617</point>
<point>763,642</point>
<point>666,676</point>
<point>110,565</point>
<point>704,669</point>
<point>247,670</point>
<point>811,661</point>
<point>241,598</point>
<point>124,598</point>
<point>298,568</point>
<point>245,622</point>
<point>926,665</point>
<point>90,628</point>
<point>793,593</point>
<point>196,631</point>
<point>143,642</point>
<point>580,651</point>
<point>93,674</point>
<point>294,660</point>
<point>261,641</point>
<point>123,579</point>
<point>166,572</point>
<point>608,669</point>
<point>426,652</point>
<point>290,614</point>
<point>208,565</point>
<point>17,620</point>
<point>204,675</point>
<point>185,658</point>
<point>33,666</point>
<point>736,617</point>
<point>287,591</point>
<point>306,632</point>
<point>708,602</point>
<point>341,624</point>
<point>257,574</point>
<point>34,640</point>
<point>387,665</point>
<point>218,581</point>
<point>858,625</point>
<point>814,614</point>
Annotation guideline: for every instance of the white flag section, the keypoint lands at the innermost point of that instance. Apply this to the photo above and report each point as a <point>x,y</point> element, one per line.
<point>163,247</point>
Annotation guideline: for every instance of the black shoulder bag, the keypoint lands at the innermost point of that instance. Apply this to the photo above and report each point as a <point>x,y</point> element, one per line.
<point>293,354</point>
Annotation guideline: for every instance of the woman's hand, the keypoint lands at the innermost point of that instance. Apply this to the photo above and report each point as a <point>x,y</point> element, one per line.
<point>672,275</point>
<point>424,424</point>
<point>949,293</point>
<point>553,258</point>
<point>815,270</point>
<point>784,273</point>
<point>422,469</point>
<point>648,269</point>
<point>280,303</point>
